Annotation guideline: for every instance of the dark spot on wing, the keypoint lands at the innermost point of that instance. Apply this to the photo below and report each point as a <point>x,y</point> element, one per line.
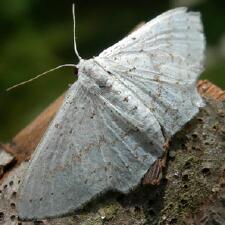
<point>136,129</point>
<point>12,218</point>
<point>132,69</point>
<point>2,215</point>
<point>58,126</point>
<point>101,85</point>
<point>14,194</point>
<point>125,99</point>
<point>13,205</point>
<point>92,115</point>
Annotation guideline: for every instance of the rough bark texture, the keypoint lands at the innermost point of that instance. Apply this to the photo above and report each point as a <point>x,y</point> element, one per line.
<point>191,190</point>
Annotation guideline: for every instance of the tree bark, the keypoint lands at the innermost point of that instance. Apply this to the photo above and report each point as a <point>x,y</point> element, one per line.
<point>190,191</point>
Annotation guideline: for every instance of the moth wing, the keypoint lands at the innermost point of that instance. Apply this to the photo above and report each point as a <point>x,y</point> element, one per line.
<point>91,146</point>
<point>88,149</point>
<point>161,62</point>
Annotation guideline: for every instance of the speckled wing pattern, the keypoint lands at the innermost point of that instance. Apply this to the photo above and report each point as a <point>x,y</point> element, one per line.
<point>86,151</point>
<point>108,141</point>
<point>161,62</point>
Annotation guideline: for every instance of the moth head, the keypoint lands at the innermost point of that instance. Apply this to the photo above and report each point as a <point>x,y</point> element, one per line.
<point>95,72</point>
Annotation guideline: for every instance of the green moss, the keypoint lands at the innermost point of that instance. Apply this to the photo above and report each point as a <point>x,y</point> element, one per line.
<point>109,211</point>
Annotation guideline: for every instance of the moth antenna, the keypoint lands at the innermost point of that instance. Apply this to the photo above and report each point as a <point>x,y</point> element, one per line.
<point>40,75</point>
<point>74,32</point>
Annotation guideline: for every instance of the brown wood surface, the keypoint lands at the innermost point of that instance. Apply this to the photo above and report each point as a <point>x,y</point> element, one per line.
<point>208,89</point>
<point>24,143</point>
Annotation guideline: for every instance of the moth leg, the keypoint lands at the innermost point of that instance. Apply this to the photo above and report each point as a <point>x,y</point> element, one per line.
<point>154,174</point>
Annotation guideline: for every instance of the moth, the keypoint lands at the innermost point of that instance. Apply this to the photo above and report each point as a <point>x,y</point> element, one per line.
<point>117,116</point>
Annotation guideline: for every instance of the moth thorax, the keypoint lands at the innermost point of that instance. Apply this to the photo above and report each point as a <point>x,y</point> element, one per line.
<point>97,74</point>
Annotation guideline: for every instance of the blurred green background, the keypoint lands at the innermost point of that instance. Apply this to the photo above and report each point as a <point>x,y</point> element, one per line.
<point>37,35</point>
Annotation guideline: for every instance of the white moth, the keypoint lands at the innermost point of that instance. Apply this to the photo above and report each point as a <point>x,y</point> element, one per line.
<point>116,118</point>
